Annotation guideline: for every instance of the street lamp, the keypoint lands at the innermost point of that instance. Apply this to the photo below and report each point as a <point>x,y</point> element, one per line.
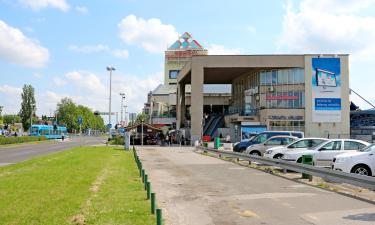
<point>110,69</point>
<point>122,102</point>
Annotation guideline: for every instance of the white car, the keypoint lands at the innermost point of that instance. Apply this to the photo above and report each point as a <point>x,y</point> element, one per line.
<point>300,144</point>
<point>361,162</point>
<point>324,153</point>
<point>259,149</point>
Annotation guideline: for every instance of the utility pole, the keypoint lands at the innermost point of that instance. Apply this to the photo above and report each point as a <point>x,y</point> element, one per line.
<point>110,69</point>
<point>142,132</point>
<point>122,103</point>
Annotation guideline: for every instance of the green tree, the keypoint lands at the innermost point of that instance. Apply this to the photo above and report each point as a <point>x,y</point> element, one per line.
<point>11,119</point>
<point>140,117</point>
<point>28,106</point>
<point>68,113</point>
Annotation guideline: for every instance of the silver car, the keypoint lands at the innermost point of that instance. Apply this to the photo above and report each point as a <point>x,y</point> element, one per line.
<point>260,149</point>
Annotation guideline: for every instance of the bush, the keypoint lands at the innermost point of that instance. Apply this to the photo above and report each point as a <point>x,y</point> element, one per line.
<point>22,139</point>
<point>118,140</point>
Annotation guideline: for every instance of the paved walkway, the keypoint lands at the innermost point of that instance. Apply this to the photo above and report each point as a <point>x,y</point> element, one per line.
<point>194,189</point>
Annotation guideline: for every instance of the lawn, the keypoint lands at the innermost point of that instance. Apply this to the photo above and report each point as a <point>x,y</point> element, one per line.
<point>87,185</point>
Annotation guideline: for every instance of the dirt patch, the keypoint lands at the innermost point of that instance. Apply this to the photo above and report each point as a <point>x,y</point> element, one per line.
<point>95,187</point>
<point>78,219</point>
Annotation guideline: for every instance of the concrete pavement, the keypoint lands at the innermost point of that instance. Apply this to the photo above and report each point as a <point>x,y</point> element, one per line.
<point>196,189</point>
<point>16,153</point>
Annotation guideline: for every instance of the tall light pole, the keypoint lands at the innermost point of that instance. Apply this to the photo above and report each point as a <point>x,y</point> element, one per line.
<point>110,69</point>
<point>122,103</point>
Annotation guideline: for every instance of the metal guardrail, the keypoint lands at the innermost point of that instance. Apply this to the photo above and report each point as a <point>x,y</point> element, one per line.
<point>328,174</point>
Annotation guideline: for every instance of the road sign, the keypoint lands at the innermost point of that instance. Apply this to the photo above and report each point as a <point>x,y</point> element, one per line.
<point>80,120</point>
<point>109,126</point>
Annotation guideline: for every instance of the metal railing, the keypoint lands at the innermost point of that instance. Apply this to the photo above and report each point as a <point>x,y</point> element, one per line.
<point>328,174</point>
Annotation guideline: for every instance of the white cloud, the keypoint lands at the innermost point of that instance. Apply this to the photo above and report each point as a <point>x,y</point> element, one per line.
<point>82,9</point>
<point>214,49</point>
<point>10,91</point>
<point>37,75</point>
<point>120,53</point>
<point>151,34</point>
<point>87,49</point>
<point>320,26</point>
<point>251,29</point>
<point>85,81</point>
<point>41,4</point>
<point>58,81</point>
<point>16,48</point>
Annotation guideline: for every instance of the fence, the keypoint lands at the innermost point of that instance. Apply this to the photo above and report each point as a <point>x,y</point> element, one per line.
<point>328,174</point>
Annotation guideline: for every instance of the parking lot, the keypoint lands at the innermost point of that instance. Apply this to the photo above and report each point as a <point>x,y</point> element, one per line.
<point>196,189</point>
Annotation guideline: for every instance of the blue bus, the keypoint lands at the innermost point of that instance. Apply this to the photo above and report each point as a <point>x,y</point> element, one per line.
<point>48,131</point>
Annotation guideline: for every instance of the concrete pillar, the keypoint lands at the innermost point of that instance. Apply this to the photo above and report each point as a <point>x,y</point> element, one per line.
<point>178,106</point>
<point>196,109</point>
<point>183,105</point>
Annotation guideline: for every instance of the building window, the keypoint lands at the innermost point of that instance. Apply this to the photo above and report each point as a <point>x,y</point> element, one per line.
<point>173,74</point>
<point>282,76</point>
<point>287,125</point>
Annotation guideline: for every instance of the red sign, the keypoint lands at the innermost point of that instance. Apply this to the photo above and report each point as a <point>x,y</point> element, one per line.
<point>281,97</point>
<point>184,53</point>
<point>206,138</point>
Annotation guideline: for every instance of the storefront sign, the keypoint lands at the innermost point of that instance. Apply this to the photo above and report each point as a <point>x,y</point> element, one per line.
<point>285,117</point>
<point>281,97</point>
<point>326,90</point>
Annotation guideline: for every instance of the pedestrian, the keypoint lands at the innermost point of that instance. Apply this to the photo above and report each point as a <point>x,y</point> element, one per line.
<point>167,139</point>
<point>183,140</point>
<point>62,136</point>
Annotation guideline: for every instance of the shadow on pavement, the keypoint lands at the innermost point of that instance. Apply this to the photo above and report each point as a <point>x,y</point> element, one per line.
<point>362,217</point>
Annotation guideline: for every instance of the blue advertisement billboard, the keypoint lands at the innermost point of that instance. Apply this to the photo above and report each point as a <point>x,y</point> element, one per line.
<point>326,90</point>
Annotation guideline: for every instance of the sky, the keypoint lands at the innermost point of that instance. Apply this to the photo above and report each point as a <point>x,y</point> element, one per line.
<point>62,47</point>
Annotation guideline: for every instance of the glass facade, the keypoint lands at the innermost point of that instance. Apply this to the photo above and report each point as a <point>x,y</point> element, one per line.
<point>173,74</point>
<point>295,125</point>
<point>282,88</point>
<point>282,76</point>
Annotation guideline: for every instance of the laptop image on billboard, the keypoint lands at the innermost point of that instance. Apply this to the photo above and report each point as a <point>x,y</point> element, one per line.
<point>325,78</point>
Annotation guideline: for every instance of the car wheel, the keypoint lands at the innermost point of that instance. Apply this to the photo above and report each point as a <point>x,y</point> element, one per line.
<point>255,153</point>
<point>362,170</point>
<point>278,156</point>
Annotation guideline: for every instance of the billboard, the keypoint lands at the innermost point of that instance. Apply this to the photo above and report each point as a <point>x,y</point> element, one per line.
<point>326,90</point>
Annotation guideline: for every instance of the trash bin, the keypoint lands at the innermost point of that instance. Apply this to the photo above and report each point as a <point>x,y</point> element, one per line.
<point>205,144</point>
<point>308,160</point>
<point>217,143</point>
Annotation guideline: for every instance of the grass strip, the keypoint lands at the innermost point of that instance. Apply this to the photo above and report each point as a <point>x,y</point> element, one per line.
<point>88,185</point>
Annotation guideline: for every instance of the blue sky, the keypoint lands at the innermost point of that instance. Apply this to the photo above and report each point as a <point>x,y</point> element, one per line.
<point>62,47</point>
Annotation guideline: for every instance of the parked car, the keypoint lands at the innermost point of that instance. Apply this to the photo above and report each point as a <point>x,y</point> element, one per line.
<point>264,136</point>
<point>259,149</point>
<point>361,162</point>
<point>300,144</point>
<point>324,153</point>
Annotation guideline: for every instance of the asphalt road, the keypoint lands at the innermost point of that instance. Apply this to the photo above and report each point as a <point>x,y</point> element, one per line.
<point>193,189</point>
<point>17,153</point>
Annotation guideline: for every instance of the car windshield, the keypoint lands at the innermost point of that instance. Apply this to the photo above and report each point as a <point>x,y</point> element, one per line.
<point>260,138</point>
<point>368,148</point>
<point>309,143</point>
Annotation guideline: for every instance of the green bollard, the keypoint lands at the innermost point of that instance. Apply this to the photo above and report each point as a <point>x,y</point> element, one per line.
<point>145,181</point>
<point>153,203</point>
<point>148,189</point>
<point>143,175</point>
<point>159,219</point>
